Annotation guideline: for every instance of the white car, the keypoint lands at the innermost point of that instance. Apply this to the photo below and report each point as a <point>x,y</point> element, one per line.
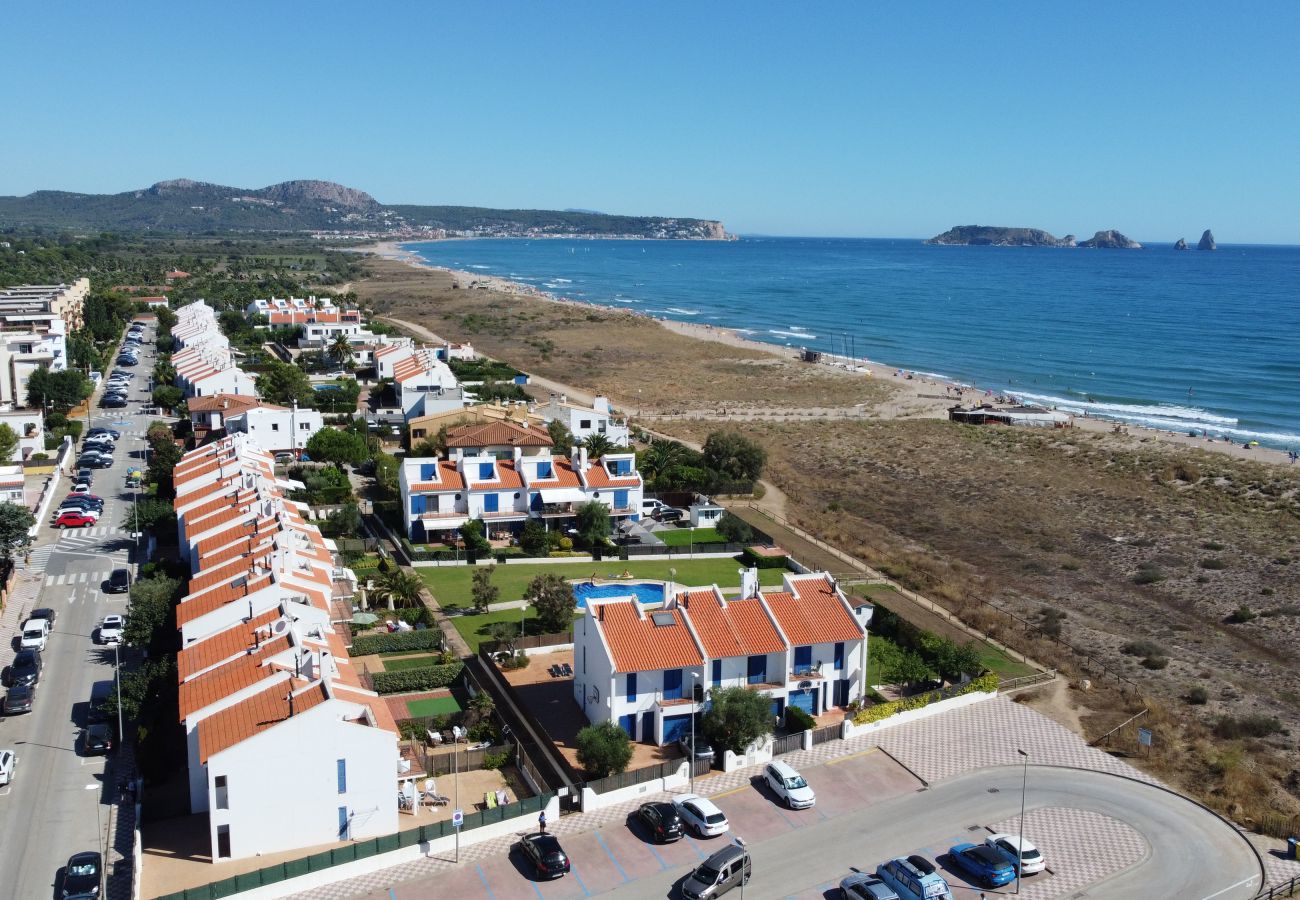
<point>110,630</point>
<point>1031,861</point>
<point>789,785</point>
<point>8,760</point>
<point>700,815</point>
<point>80,488</point>
<point>35,634</point>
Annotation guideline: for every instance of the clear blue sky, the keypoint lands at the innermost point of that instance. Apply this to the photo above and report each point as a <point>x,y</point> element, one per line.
<point>873,119</point>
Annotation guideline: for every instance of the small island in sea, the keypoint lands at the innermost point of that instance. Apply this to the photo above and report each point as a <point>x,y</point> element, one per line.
<point>999,236</point>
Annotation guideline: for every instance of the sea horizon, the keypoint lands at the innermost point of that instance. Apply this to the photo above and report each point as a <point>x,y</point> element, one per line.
<point>1146,337</point>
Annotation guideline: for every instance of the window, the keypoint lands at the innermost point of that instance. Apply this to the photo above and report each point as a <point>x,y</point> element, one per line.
<point>275,426</point>
<point>223,799</point>
<point>757,671</point>
<point>342,766</point>
<point>343,823</point>
<point>631,686</point>
<point>487,470</point>
<point>304,426</point>
<point>491,502</point>
<point>417,504</point>
<point>672,684</point>
<point>717,673</point>
<point>584,660</point>
<point>839,657</point>
<point>223,842</point>
<point>802,657</point>
<point>428,471</point>
<point>544,470</point>
<point>584,423</point>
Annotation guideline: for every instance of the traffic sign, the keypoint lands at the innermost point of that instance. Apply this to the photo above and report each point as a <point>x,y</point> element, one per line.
<point>457,818</point>
<point>1144,737</point>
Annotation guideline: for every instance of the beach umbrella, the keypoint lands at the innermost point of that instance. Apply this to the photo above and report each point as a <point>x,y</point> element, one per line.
<point>364,618</point>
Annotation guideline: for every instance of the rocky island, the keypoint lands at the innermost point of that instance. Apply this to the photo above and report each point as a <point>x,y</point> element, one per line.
<point>1207,241</point>
<point>1180,244</point>
<point>997,236</point>
<point>1110,240</point>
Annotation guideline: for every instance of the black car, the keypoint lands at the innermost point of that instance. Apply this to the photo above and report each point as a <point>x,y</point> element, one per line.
<point>544,852</point>
<point>84,476</point>
<point>119,582</point>
<point>19,699</point>
<point>26,667</point>
<point>82,503</point>
<point>115,401</point>
<point>96,740</point>
<point>923,865</point>
<point>703,749</point>
<point>662,820</point>
<point>45,613</point>
<point>95,461</point>
<point>83,874</point>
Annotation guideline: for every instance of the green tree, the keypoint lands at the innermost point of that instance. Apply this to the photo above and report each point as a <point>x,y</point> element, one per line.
<point>284,384</point>
<point>386,469</point>
<point>592,522</point>
<point>347,519</point>
<point>163,457</point>
<point>15,522</point>
<point>734,529</point>
<point>603,749</point>
<point>533,540</point>
<point>597,445</point>
<point>61,390</point>
<point>166,396</point>
<point>151,514</point>
<point>561,435</point>
<point>342,400</point>
<point>661,456</point>
<point>476,545</point>
<point>8,443</point>
<point>341,351</point>
<point>483,591</point>
<point>734,456</point>
<point>737,718</point>
<point>152,621</point>
<point>552,596</point>
<point>400,589</point>
<point>505,633</point>
<point>907,668</point>
<point>334,446</point>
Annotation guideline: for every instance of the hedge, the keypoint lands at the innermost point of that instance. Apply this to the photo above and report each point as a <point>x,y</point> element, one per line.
<point>798,720</point>
<point>988,682</point>
<point>763,562</point>
<point>426,639</point>
<point>425,679</point>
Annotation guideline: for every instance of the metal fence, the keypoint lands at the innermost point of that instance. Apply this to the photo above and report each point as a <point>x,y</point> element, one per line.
<point>636,776</point>
<point>365,849</point>
<point>1287,889</point>
<point>624,552</point>
<point>464,759</point>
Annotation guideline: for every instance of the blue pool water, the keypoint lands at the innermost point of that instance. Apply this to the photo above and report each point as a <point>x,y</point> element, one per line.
<point>644,593</point>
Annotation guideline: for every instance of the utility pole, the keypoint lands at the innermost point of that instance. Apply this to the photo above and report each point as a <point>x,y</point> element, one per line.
<point>1020,843</point>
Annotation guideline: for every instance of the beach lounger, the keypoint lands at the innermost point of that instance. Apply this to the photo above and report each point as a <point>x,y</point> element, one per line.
<point>435,737</point>
<point>502,797</point>
<point>490,800</point>
<point>554,671</point>
<point>566,670</point>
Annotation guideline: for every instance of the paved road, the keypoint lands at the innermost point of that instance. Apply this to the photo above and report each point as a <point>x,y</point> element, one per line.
<point>59,802</point>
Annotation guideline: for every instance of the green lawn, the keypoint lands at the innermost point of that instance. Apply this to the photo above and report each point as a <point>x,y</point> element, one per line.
<point>419,661</point>
<point>682,537</point>
<point>450,585</point>
<point>432,706</point>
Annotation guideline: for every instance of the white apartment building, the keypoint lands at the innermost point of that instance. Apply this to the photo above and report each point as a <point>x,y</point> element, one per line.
<point>584,421</point>
<point>277,428</point>
<point>29,425</point>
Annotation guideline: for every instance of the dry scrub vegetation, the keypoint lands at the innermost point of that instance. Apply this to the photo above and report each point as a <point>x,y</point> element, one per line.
<point>1176,568</point>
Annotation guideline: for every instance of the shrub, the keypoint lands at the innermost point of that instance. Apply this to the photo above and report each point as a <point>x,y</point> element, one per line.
<point>517,661</point>
<point>880,711</point>
<point>427,639</point>
<point>1241,615</point>
<point>1254,726</point>
<point>1155,663</point>
<point>1149,574</point>
<point>754,560</point>
<point>798,720</point>
<point>1212,545</point>
<point>496,760</point>
<point>1212,562</point>
<point>1051,620</point>
<point>603,749</point>
<point>1142,648</point>
<point>1198,696</point>
<point>425,679</point>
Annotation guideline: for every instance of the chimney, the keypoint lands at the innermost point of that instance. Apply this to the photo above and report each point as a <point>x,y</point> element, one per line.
<point>290,699</point>
<point>573,457</point>
<point>582,458</point>
<point>519,452</point>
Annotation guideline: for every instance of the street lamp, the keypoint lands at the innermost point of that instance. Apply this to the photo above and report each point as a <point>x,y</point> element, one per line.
<point>117,676</point>
<point>695,679</point>
<point>101,839</point>
<point>523,614</point>
<point>1020,844</point>
<point>744,863</point>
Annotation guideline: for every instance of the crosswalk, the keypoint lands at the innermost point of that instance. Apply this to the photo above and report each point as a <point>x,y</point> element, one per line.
<point>91,532</point>
<point>75,578</point>
<point>40,557</point>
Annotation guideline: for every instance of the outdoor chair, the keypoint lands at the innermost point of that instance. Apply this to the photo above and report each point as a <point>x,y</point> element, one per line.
<point>554,671</point>
<point>456,734</point>
<point>566,670</point>
<point>490,800</point>
<point>435,737</point>
<point>502,797</point>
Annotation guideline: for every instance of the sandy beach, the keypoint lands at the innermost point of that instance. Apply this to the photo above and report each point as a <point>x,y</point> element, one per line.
<point>915,395</point>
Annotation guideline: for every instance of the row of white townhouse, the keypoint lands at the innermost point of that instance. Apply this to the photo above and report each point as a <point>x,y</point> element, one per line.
<point>203,360</point>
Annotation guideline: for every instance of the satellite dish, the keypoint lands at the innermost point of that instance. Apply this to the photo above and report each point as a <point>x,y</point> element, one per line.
<point>280,626</point>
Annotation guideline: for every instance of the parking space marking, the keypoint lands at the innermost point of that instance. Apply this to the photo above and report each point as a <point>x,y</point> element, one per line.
<point>585,892</point>
<point>6,790</point>
<point>696,847</point>
<point>483,878</point>
<point>844,759</point>
<point>617,865</point>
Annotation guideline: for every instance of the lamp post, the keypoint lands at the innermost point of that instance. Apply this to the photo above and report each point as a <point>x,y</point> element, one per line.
<point>1020,843</point>
<point>101,839</point>
<point>744,863</point>
<point>695,679</point>
<point>117,676</point>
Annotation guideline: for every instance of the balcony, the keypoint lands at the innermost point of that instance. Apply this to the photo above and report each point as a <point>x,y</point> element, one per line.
<point>557,510</point>
<point>506,514</point>
<point>435,515</point>
<point>806,673</point>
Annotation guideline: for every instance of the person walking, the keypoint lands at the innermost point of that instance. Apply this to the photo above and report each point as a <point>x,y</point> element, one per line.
<point>541,822</point>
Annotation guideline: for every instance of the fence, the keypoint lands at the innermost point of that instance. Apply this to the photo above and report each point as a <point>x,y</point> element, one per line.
<point>1287,889</point>
<point>1278,825</point>
<point>634,777</point>
<point>1024,681</point>
<point>625,552</point>
<point>531,642</point>
<point>464,759</point>
<point>358,850</point>
<point>787,744</point>
<point>826,733</point>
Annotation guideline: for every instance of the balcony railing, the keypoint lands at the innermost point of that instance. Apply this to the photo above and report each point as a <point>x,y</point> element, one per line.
<point>439,514</point>
<point>506,514</point>
<point>799,672</point>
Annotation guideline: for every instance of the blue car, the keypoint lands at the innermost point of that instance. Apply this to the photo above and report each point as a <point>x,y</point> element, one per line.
<point>983,864</point>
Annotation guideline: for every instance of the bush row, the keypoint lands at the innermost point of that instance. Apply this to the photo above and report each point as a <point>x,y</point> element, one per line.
<point>880,711</point>
<point>428,639</point>
<point>425,679</point>
<point>763,562</point>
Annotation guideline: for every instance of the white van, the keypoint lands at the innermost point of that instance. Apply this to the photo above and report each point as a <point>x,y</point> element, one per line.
<point>35,634</point>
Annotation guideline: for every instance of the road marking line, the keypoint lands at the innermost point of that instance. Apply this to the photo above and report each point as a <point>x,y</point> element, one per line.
<point>840,759</point>
<point>1231,887</point>
<point>600,840</point>
<point>585,892</point>
<point>663,863</point>
<point>483,878</point>
<point>735,790</point>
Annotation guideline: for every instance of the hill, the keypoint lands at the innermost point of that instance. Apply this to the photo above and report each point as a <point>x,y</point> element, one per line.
<point>182,206</point>
<point>998,236</point>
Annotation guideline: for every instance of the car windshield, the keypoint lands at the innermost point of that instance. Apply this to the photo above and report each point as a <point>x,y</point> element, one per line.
<point>795,783</point>
<point>715,818</point>
<point>707,874</point>
<point>82,868</point>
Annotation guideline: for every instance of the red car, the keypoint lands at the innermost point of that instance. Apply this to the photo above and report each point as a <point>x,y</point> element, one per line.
<point>74,520</point>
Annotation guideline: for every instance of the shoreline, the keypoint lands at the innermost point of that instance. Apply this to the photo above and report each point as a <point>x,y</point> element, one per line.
<point>912,401</point>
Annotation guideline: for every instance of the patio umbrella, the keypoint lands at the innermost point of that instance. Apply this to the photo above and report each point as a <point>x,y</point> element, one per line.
<point>364,618</point>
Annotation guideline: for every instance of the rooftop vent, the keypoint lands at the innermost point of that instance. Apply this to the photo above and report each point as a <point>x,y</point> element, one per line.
<point>662,619</point>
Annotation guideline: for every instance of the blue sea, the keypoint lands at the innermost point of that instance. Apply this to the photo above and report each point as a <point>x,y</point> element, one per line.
<point>1179,340</point>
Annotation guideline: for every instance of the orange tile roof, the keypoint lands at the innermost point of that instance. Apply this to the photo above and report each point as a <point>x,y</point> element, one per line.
<point>253,715</point>
<point>378,708</point>
<point>738,628</point>
<point>597,477</point>
<point>218,519</point>
<point>219,574</point>
<point>507,477</point>
<point>230,404</point>
<point>639,645</point>
<point>239,673</point>
<point>562,475</point>
<point>449,479</point>
<point>223,645</point>
<point>814,614</point>
<point>491,434</point>
<point>189,610</point>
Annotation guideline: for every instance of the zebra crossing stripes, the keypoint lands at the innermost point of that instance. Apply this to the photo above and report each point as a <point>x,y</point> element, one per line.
<point>92,531</point>
<point>75,578</point>
<point>40,557</point>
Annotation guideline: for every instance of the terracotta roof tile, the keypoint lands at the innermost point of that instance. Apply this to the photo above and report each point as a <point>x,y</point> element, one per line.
<point>239,673</point>
<point>449,479</point>
<point>378,708</point>
<point>639,644</point>
<point>492,434</point>
<point>732,627</point>
<point>189,610</point>
<point>814,614</point>
<point>253,715</point>
<point>238,638</point>
<point>562,476</point>
<point>597,477</point>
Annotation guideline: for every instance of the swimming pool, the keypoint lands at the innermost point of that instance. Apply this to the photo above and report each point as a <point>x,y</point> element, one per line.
<point>644,591</point>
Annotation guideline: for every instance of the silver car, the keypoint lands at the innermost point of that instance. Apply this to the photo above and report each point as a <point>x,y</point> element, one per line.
<point>718,874</point>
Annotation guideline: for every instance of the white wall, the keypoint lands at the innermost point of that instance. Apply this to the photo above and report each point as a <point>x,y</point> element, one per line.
<point>591,667</point>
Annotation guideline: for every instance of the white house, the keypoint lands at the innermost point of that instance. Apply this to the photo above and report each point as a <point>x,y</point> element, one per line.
<point>277,428</point>
<point>12,485</point>
<point>802,646</point>
<point>584,421</point>
<point>29,425</point>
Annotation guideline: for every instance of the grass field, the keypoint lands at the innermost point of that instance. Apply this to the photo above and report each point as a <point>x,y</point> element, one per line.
<point>432,706</point>
<point>682,537</point>
<point>451,585</point>
<point>397,663</point>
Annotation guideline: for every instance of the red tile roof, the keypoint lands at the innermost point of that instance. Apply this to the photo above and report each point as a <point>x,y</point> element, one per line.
<point>732,627</point>
<point>639,644</point>
<point>562,475</point>
<point>255,714</point>
<point>449,479</point>
<point>223,645</point>
<point>230,404</point>
<point>494,434</point>
<point>597,477</point>
<point>814,614</point>
<point>239,673</point>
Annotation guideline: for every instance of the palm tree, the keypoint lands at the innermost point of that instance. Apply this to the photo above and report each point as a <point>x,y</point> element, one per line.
<point>399,589</point>
<point>341,350</point>
<point>597,445</point>
<point>658,458</point>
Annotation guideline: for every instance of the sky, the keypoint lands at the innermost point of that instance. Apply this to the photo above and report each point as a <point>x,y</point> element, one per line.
<point>836,119</point>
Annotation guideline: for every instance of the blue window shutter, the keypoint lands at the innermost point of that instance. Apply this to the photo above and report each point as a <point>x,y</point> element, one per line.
<point>417,504</point>
<point>487,471</point>
<point>491,502</point>
<point>717,673</point>
<point>428,471</point>
<point>620,499</point>
<point>803,656</point>
<point>839,657</point>
<point>672,684</point>
<point>757,673</point>
<point>343,775</point>
<point>343,823</point>
<point>631,686</point>
<point>544,470</point>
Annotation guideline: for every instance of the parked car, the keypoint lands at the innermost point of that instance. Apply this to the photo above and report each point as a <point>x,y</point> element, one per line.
<point>907,880</point>
<point>19,699</point>
<point>865,886</point>
<point>649,506</point>
<point>46,613</point>
<point>83,874</point>
<point>724,870</point>
<point>702,750</point>
<point>546,855</point>
<point>700,815</point>
<point>81,487</point>
<point>84,498</point>
<point>284,458</point>
<point>96,740</point>
<point>110,629</point>
<point>8,762</point>
<point>119,582</point>
<point>102,442</point>
<point>669,514</point>
<point>35,634</point>
<point>789,785</point>
<point>662,820</point>
<point>26,667</point>
<point>85,476</point>
<point>983,864</point>
<point>74,520</point>
<point>923,865</point>
<point>85,506</point>
<point>113,402</point>
<point>91,516</point>
<point>1012,846</point>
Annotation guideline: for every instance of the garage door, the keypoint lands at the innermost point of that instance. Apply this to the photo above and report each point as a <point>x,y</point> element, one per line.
<point>805,700</point>
<point>628,724</point>
<point>778,708</point>
<point>676,727</point>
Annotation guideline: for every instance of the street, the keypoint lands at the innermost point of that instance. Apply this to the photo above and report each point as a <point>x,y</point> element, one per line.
<point>60,802</point>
